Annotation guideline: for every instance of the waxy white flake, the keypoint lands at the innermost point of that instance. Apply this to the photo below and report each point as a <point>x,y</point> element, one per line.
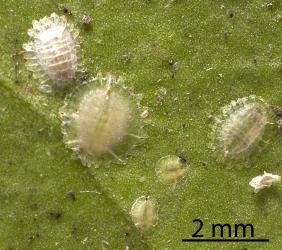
<point>265,180</point>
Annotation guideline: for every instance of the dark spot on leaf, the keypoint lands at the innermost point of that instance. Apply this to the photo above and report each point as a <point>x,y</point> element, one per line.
<point>71,195</point>
<point>10,248</point>
<point>182,160</point>
<point>40,131</point>
<point>84,78</point>
<point>65,9</point>
<point>231,14</point>
<point>33,237</point>
<point>277,111</point>
<point>74,230</point>
<point>204,163</point>
<point>34,206</point>
<point>269,5</point>
<point>126,58</point>
<point>56,215</point>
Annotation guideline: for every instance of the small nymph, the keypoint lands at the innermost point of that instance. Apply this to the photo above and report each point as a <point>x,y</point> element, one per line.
<point>171,168</point>
<point>144,212</point>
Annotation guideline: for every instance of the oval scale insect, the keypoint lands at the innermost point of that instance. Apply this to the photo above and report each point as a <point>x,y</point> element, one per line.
<point>144,212</point>
<point>52,55</point>
<point>240,126</point>
<point>100,119</point>
<point>171,168</point>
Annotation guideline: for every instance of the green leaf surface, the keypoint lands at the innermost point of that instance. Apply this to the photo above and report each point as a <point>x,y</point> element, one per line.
<point>225,49</point>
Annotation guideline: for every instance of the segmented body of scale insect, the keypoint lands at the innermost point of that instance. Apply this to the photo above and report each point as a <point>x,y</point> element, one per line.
<point>171,168</point>
<point>100,119</point>
<point>52,55</point>
<point>239,127</point>
<point>144,212</point>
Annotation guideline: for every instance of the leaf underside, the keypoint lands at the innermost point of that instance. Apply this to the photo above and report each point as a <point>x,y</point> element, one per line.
<point>204,54</point>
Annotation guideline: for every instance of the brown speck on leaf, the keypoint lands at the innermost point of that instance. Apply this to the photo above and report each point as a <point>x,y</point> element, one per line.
<point>182,160</point>
<point>65,9</point>
<point>56,214</point>
<point>17,58</point>
<point>33,237</point>
<point>83,78</point>
<point>34,206</point>
<point>71,195</point>
<point>172,65</point>
<point>277,111</point>
<point>204,163</point>
<point>126,58</point>
<point>278,114</point>
<point>74,230</point>
<point>231,14</point>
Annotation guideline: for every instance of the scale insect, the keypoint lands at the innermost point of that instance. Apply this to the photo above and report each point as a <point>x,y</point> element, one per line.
<point>171,168</point>
<point>100,119</point>
<point>144,212</point>
<point>239,127</point>
<point>52,53</point>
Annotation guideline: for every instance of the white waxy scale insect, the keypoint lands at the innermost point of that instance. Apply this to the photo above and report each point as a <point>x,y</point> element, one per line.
<point>144,212</point>
<point>262,181</point>
<point>99,119</point>
<point>171,168</point>
<point>240,126</point>
<point>52,55</point>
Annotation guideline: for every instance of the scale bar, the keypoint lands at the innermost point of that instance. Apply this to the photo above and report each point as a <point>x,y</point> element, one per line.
<point>225,240</point>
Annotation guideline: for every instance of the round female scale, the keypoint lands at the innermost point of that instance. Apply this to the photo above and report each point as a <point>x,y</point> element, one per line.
<point>102,120</point>
<point>144,212</point>
<point>240,126</point>
<point>98,119</point>
<point>52,55</point>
